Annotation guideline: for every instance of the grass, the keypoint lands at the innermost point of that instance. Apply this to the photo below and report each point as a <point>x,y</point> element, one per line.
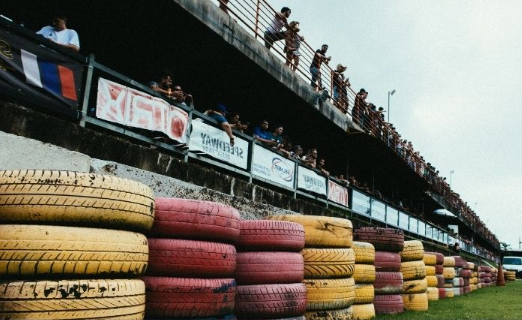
<point>482,304</point>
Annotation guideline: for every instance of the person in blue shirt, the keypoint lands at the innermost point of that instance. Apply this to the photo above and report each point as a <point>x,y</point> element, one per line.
<point>262,134</point>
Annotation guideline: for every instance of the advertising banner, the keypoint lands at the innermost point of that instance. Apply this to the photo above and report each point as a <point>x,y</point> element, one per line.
<point>133,108</point>
<point>215,143</point>
<point>310,181</point>
<point>337,193</point>
<point>39,75</point>
<point>272,166</point>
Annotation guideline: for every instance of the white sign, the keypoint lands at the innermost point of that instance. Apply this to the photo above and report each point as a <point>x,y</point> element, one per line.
<point>130,107</point>
<point>311,181</point>
<point>216,143</point>
<point>273,167</point>
<point>337,193</point>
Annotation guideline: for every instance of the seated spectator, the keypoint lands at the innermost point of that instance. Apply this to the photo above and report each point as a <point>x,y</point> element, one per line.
<point>297,152</point>
<point>320,167</point>
<point>218,113</point>
<point>262,135</point>
<point>59,34</point>
<point>311,158</point>
<point>236,124</point>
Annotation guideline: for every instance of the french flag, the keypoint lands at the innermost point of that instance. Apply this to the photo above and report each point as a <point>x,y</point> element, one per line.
<point>49,76</point>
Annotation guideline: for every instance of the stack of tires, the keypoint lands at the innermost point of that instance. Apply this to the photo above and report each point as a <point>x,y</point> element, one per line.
<point>474,281</point>
<point>510,276</point>
<point>413,272</point>
<point>270,270</point>
<point>192,260</point>
<point>430,260</point>
<point>484,273</point>
<point>494,274</point>
<point>388,283</point>
<point>466,273</point>
<point>449,274</point>
<point>364,276</point>
<point>329,266</point>
<point>458,280</point>
<point>439,270</point>
<point>71,245</point>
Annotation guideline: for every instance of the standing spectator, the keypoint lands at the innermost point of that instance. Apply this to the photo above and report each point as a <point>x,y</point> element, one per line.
<point>59,34</point>
<point>219,113</point>
<point>273,31</point>
<point>359,106</point>
<point>292,45</point>
<point>315,67</point>
<point>320,166</point>
<point>340,91</point>
<point>277,136</point>
<point>262,134</point>
<point>223,5</point>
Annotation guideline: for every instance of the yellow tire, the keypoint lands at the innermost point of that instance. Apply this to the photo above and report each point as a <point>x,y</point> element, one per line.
<point>52,251</point>
<point>75,198</point>
<point>364,293</point>
<point>415,301</point>
<point>448,273</point>
<point>413,250</point>
<point>364,273</point>
<point>432,281</point>
<point>430,259</point>
<point>432,293</point>
<point>449,262</point>
<point>363,311</point>
<point>430,271</point>
<point>415,286</point>
<point>470,266</point>
<point>322,231</point>
<point>328,294</point>
<point>340,314</point>
<point>328,263</point>
<point>72,299</point>
<point>364,252</point>
<point>450,293</point>
<point>412,270</point>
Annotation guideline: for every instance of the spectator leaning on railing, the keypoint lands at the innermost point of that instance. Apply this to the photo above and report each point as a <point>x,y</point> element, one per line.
<point>219,113</point>
<point>262,134</point>
<point>273,31</point>
<point>340,91</point>
<point>315,67</point>
<point>236,124</point>
<point>292,45</point>
<point>58,33</point>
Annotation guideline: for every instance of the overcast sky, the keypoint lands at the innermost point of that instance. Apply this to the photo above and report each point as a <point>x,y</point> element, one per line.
<point>457,69</point>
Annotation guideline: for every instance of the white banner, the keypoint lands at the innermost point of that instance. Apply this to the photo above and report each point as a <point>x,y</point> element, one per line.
<point>272,166</point>
<point>215,143</point>
<point>337,193</point>
<point>133,108</point>
<point>311,181</point>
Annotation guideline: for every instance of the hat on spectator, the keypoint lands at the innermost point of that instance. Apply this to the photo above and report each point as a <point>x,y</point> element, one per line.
<point>340,68</point>
<point>363,91</point>
<point>220,107</point>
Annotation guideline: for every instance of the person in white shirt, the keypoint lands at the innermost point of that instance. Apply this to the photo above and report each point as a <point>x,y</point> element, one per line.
<point>273,31</point>
<point>59,34</point>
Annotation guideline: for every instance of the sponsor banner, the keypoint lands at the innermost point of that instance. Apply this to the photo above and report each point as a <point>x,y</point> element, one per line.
<point>215,143</point>
<point>133,108</point>
<point>337,193</point>
<point>39,75</point>
<point>272,166</point>
<point>311,181</point>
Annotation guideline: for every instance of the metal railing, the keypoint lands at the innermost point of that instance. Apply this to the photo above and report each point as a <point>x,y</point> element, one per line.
<point>256,15</point>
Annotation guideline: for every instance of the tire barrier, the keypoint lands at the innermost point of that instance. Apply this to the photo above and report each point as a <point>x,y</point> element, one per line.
<point>449,273</point>
<point>364,252</point>
<point>432,293</point>
<point>322,231</point>
<point>439,269</point>
<point>432,281</point>
<point>191,258</point>
<point>388,283</point>
<point>383,239</point>
<point>75,199</point>
<point>430,271</point>
<point>415,301</point>
<point>459,262</point>
<point>328,294</point>
<point>415,286</point>
<point>364,293</point>
<point>41,251</point>
<point>189,297</point>
<point>413,251</point>
<point>412,270</point>
<point>429,259</point>
<point>387,261</point>
<point>439,257</point>
<point>195,220</point>
<point>45,299</point>
<point>449,262</point>
<point>339,314</point>
<point>388,304</point>
<point>364,273</point>
<point>269,268</point>
<point>271,235</point>
<point>363,311</point>
<point>323,263</point>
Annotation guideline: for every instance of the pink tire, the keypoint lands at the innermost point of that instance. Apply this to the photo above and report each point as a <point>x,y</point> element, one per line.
<point>270,301</point>
<point>388,304</point>
<point>387,261</point>
<point>269,267</point>
<point>383,239</point>
<point>388,283</point>
<point>271,235</point>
